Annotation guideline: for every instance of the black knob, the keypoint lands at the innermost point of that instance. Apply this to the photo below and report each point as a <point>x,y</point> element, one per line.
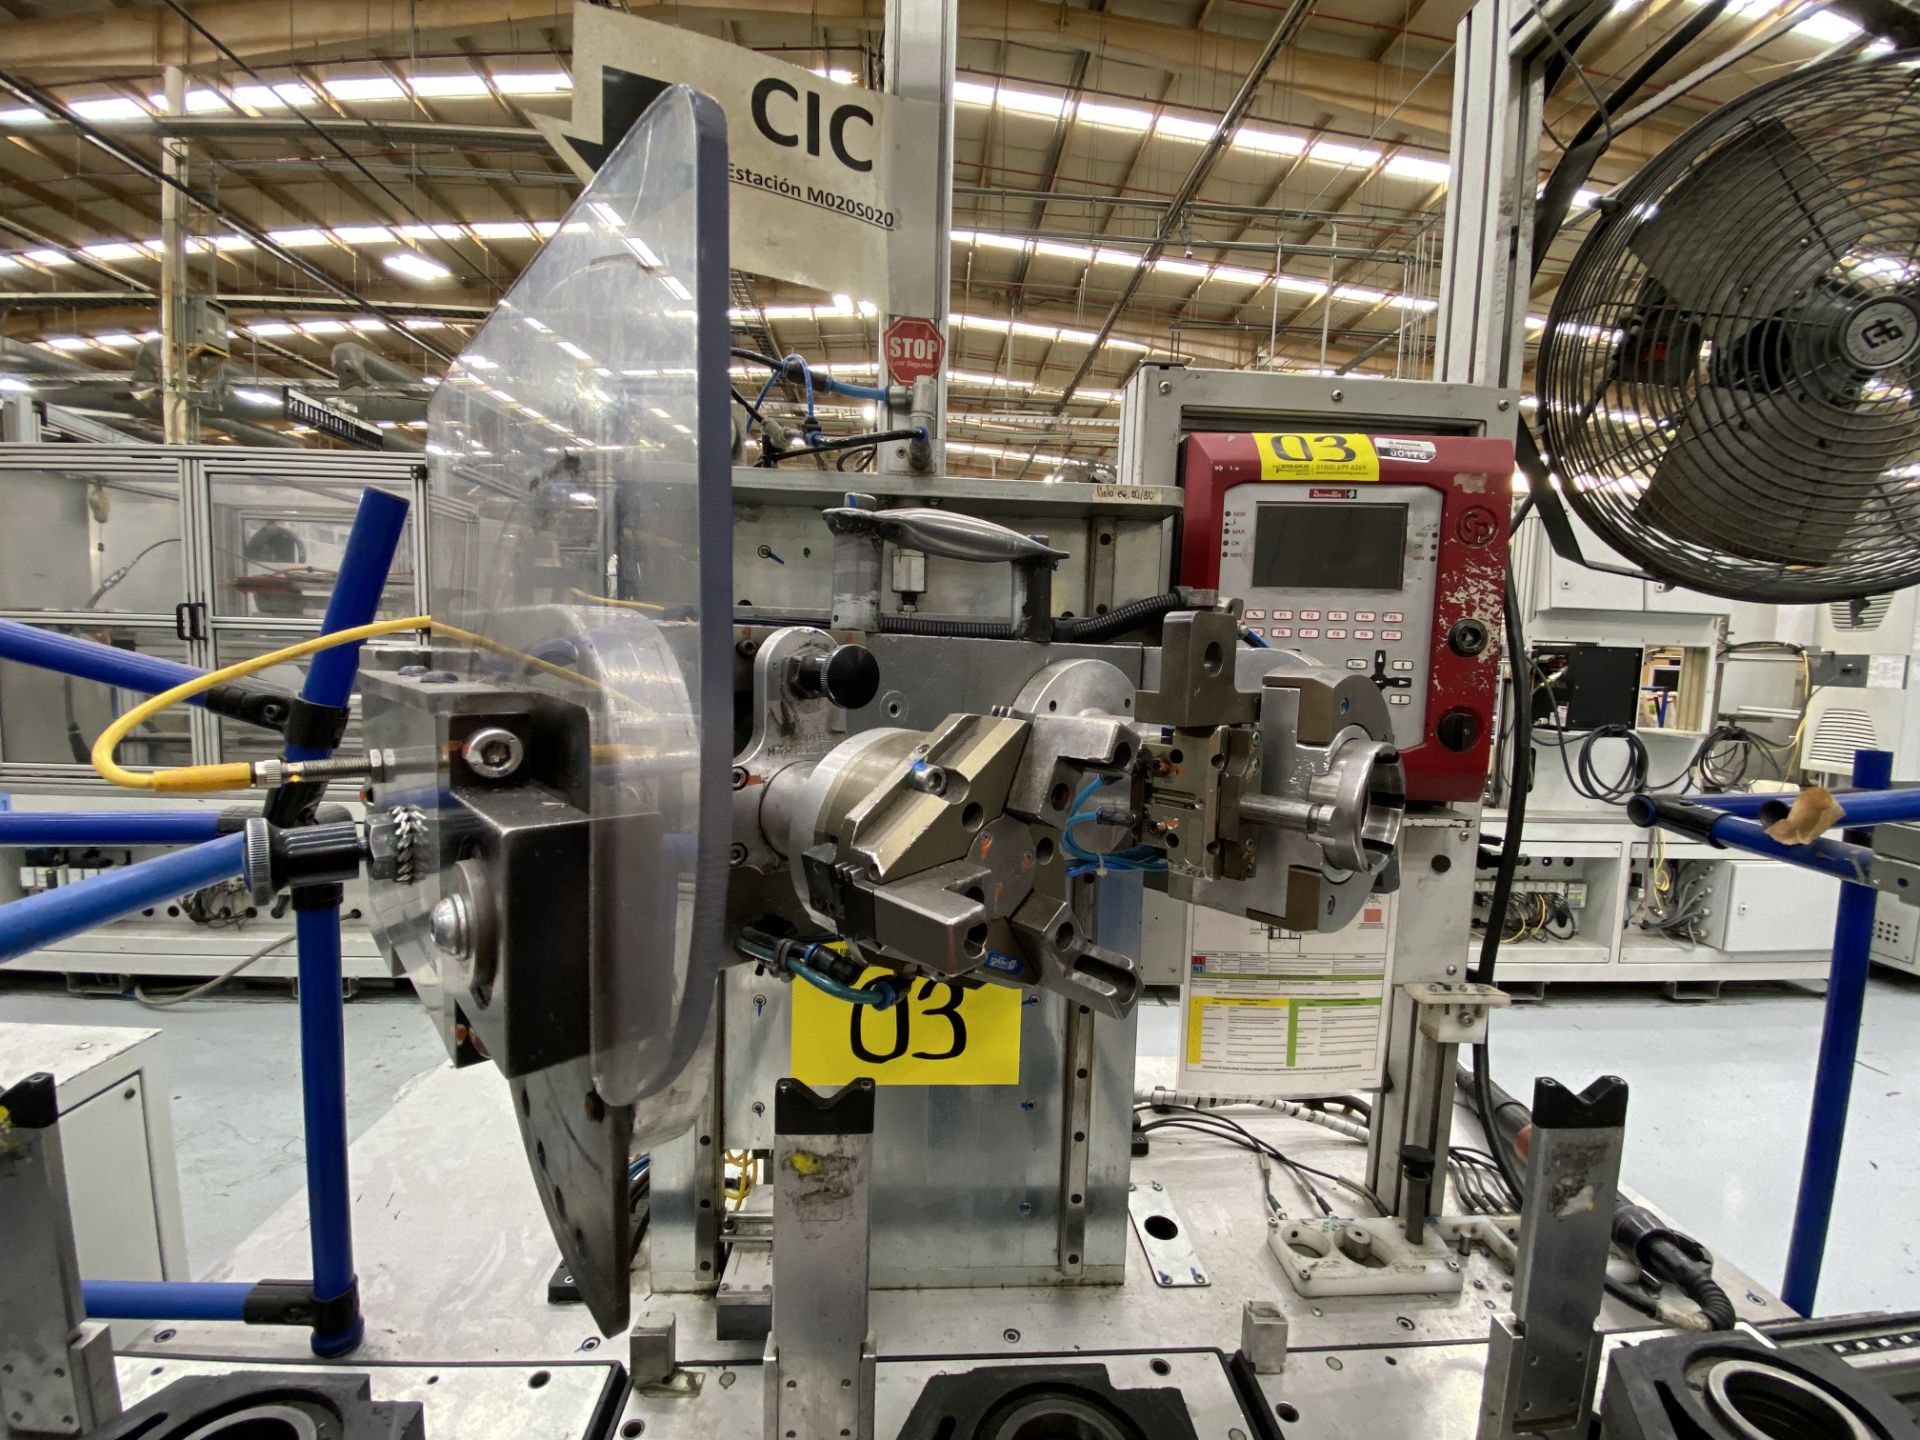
<point>1458,729</point>
<point>849,676</point>
<point>1468,637</point>
<point>1416,1163</point>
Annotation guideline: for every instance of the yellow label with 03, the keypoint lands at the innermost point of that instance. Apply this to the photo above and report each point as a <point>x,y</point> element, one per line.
<point>940,1033</point>
<point>1317,457</point>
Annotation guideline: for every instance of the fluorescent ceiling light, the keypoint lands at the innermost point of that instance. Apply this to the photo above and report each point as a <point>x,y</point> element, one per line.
<point>501,230</point>
<point>298,239</point>
<point>545,82</point>
<point>1332,153</point>
<point>1113,117</point>
<point>275,97</point>
<point>1193,270</point>
<point>14,383</point>
<point>25,116</point>
<point>969,92</point>
<point>447,87</point>
<point>114,250</point>
<point>49,257</point>
<point>362,234</point>
<point>1032,102</point>
<point>199,102</point>
<point>67,342</point>
<point>1181,127</point>
<point>415,267</point>
<point>117,340</point>
<point>1412,167</point>
<point>254,397</point>
<point>323,327</point>
<point>838,77</point>
<point>438,231</point>
<point>1268,142</point>
<point>365,87</point>
<point>118,107</point>
<point>367,324</point>
<point>270,328</point>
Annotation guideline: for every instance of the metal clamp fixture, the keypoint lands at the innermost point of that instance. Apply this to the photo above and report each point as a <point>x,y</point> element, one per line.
<point>1542,1359</point>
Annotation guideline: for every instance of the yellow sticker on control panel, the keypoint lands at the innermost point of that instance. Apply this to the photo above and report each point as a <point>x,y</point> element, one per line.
<point>1317,457</point>
<point>939,1034</point>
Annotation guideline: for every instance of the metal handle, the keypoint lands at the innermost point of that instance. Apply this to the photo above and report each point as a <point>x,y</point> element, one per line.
<point>944,532</point>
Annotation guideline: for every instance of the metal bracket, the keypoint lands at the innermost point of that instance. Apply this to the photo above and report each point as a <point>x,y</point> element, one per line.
<point>1335,1257</point>
<point>1163,1235</point>
<point>1456,1014</point>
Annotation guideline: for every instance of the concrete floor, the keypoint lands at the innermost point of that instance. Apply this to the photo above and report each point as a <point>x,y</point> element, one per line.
<point>233,1069</point>
<point>1717,1115</point>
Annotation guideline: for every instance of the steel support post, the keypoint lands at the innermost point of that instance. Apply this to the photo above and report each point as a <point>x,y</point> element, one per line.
<point>819,1360</point>
<point>919,53</point>
<point>56,1372</point>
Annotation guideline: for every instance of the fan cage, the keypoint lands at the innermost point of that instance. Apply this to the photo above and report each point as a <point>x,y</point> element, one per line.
<point>1715,390</point>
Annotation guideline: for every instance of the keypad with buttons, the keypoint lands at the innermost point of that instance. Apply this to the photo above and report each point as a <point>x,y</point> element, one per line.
<point>1343,625</point>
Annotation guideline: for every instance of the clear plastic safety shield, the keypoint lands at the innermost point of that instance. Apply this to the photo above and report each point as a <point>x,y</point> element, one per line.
<point>583,438</point>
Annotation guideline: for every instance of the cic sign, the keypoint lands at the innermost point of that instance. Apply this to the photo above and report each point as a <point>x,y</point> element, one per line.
<point>826,188</point>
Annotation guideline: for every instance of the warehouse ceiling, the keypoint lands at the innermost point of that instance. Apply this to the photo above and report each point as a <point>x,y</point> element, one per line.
<point>375,184</point>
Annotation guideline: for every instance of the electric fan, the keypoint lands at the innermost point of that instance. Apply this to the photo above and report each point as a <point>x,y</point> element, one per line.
<point>1726,377</point>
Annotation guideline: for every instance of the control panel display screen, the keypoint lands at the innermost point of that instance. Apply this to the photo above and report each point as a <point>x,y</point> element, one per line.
<point>1330,546</point>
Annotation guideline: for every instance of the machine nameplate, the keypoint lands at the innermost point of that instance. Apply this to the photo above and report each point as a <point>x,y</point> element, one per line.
<point>941,1033</point>
<point>1317,457</point>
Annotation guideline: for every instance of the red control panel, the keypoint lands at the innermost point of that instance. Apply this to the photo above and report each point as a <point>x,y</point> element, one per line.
<point>1382,554</point>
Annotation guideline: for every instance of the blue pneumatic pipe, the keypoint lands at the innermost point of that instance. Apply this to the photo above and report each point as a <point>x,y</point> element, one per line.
<point>1833,1077</point>
<point>323,1047</point>
<point>55,914</point>
<point>1843,859</point>
<point>323,1066</point>
<point>165,1299</point>
<point>90,660</point>
<point>355,601</point>
<point>108,827</point>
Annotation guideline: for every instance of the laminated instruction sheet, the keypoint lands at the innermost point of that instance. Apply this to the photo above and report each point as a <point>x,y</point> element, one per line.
<point>1268,1011</point>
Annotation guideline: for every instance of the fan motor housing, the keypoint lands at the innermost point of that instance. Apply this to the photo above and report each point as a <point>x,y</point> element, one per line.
<point>1381,554</point>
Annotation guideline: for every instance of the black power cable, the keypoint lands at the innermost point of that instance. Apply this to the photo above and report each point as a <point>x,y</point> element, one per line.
<point>1521,738</point>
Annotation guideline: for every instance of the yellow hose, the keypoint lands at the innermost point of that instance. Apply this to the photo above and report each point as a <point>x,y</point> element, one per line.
<point>235,775</point>
<point>238,775</point>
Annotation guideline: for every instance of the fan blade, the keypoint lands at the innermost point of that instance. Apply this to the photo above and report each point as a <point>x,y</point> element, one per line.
<point>1750,228</point>
<point>1767,476</point>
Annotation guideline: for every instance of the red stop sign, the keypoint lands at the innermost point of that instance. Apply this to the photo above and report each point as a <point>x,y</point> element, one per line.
<point>914,347</point>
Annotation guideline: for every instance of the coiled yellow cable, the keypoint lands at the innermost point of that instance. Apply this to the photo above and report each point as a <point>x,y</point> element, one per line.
<point>238,775</point>
<point>234,775</point>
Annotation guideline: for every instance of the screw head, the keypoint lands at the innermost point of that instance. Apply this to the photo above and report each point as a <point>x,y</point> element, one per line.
<point>493,753</point>
<point>1010,1335</point>
<point>1337,396</point>
<point>448,924</point>
<point>1503,405</point>
<point>1166,387</point>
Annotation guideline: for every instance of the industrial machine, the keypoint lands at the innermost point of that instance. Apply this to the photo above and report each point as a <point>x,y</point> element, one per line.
<point>805,944</point>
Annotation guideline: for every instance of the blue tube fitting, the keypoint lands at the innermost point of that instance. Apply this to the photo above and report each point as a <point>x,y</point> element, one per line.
<point>106,827</point>
<point>39,920</point>
<point>165,1300</point>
